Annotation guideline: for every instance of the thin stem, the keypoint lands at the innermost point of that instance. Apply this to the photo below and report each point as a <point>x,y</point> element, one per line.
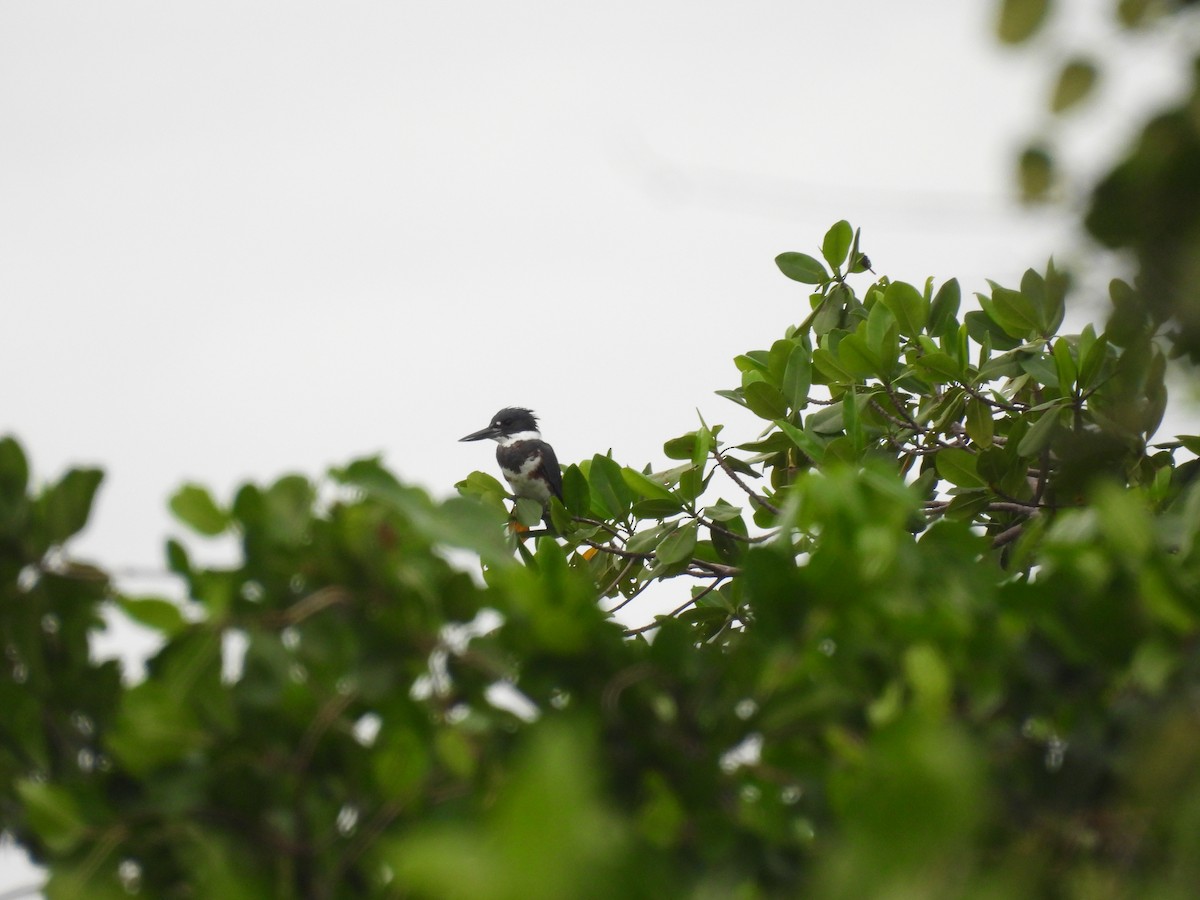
<point>754,497</point>
<point>673,613</point>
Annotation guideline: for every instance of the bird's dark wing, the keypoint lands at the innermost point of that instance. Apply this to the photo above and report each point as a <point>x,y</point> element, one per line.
<point>553,472</point>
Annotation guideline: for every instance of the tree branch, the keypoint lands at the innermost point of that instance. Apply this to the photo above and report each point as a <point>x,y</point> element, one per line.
<point>754,497</point>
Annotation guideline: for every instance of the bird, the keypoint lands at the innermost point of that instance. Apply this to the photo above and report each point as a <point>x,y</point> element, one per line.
<point>527,462</point>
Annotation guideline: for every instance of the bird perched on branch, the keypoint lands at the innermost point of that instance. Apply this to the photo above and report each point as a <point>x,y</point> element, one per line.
<point>527,462</point>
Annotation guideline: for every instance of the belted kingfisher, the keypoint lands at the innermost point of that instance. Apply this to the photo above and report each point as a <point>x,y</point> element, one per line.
<point>528,463</point>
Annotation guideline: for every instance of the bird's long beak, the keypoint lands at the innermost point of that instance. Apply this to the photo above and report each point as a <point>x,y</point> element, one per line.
<point>482,434</point>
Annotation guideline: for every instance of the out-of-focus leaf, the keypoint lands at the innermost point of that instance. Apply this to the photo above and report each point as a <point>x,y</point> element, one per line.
<point>53,814</point>
<point>67,505</point>
<point>528,511</point>
<point>193,505</point>
<point>1075,83</point>
<point>1035,173</point>
<point>1019,20</point>
<point>153,612</point>
<point>14,470</point>
<point>153,728</point>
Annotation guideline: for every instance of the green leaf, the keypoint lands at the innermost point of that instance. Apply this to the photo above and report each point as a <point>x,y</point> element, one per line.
<point>607,486</point>
<point>68,504</point>
<point>14,471</point>
<point>153,612</point>
<point>764,400</point>
<point>1012,311</point>
<point>908,305</point>
<point>481,484</point>
<point>944,307</point>
<point>705,439</point>
<point>979,422</point>
<point>984,331</point>
<point>528,511</point>
<point>802,267</point>
<point>857,358</point>
<point>1075,82</point>
<point>194,506</point>
<point>958,466</point>
<point>829,315</point>
<point>1039,434</point>
<point>777,359</point>
<point>940,366</point>
<point>809,445</point>
<point>153,728</point>
<point>722,511</point>
<point>1092,362</point>
<point>1020,19</point>
<point>656,509</point>
<point>680,447</point>
<point>464,522</point>
<point>677,546</point>
<point>1064,362</point>
<point>829,367</point>
<point>1041,367</point>
<point>53,814</point>
<point>737,396</point>
<point>882,337</point>
<point>577,496</point>
<point>458,522</point>
<point>645,487</point>
<point>851,419</point>
<point>797,378</point>
<point>1035,172</point>
<point>836,245</point>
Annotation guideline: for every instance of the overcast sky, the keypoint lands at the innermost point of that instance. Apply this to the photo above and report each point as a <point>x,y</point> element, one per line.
<point>244,238</point>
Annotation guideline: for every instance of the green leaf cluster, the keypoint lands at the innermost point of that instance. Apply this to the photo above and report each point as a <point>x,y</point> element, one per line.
<point>938,636</point>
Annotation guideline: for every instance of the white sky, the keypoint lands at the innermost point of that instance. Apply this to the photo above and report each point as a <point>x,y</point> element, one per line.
<point>244,238</point>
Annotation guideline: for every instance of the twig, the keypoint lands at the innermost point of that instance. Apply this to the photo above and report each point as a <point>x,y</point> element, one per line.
<point>620,577</point>
<point>617,551</point>
<point>764,503</point>
<point>313,604</point>
<point>713,526</point>
<point>1008,535</point>
<point>326,716</point>
<point>713,568</point>
<point>997,404</point>
<point>610,529</point>
<point>673,613</point>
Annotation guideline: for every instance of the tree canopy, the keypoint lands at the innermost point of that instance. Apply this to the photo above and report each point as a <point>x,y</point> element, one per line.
<point>939,635</point>
<point>938,629</point>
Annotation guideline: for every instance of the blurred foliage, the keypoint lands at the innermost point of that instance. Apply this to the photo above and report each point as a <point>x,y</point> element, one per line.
<point>1148,202</point>
<point>940,638</point>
